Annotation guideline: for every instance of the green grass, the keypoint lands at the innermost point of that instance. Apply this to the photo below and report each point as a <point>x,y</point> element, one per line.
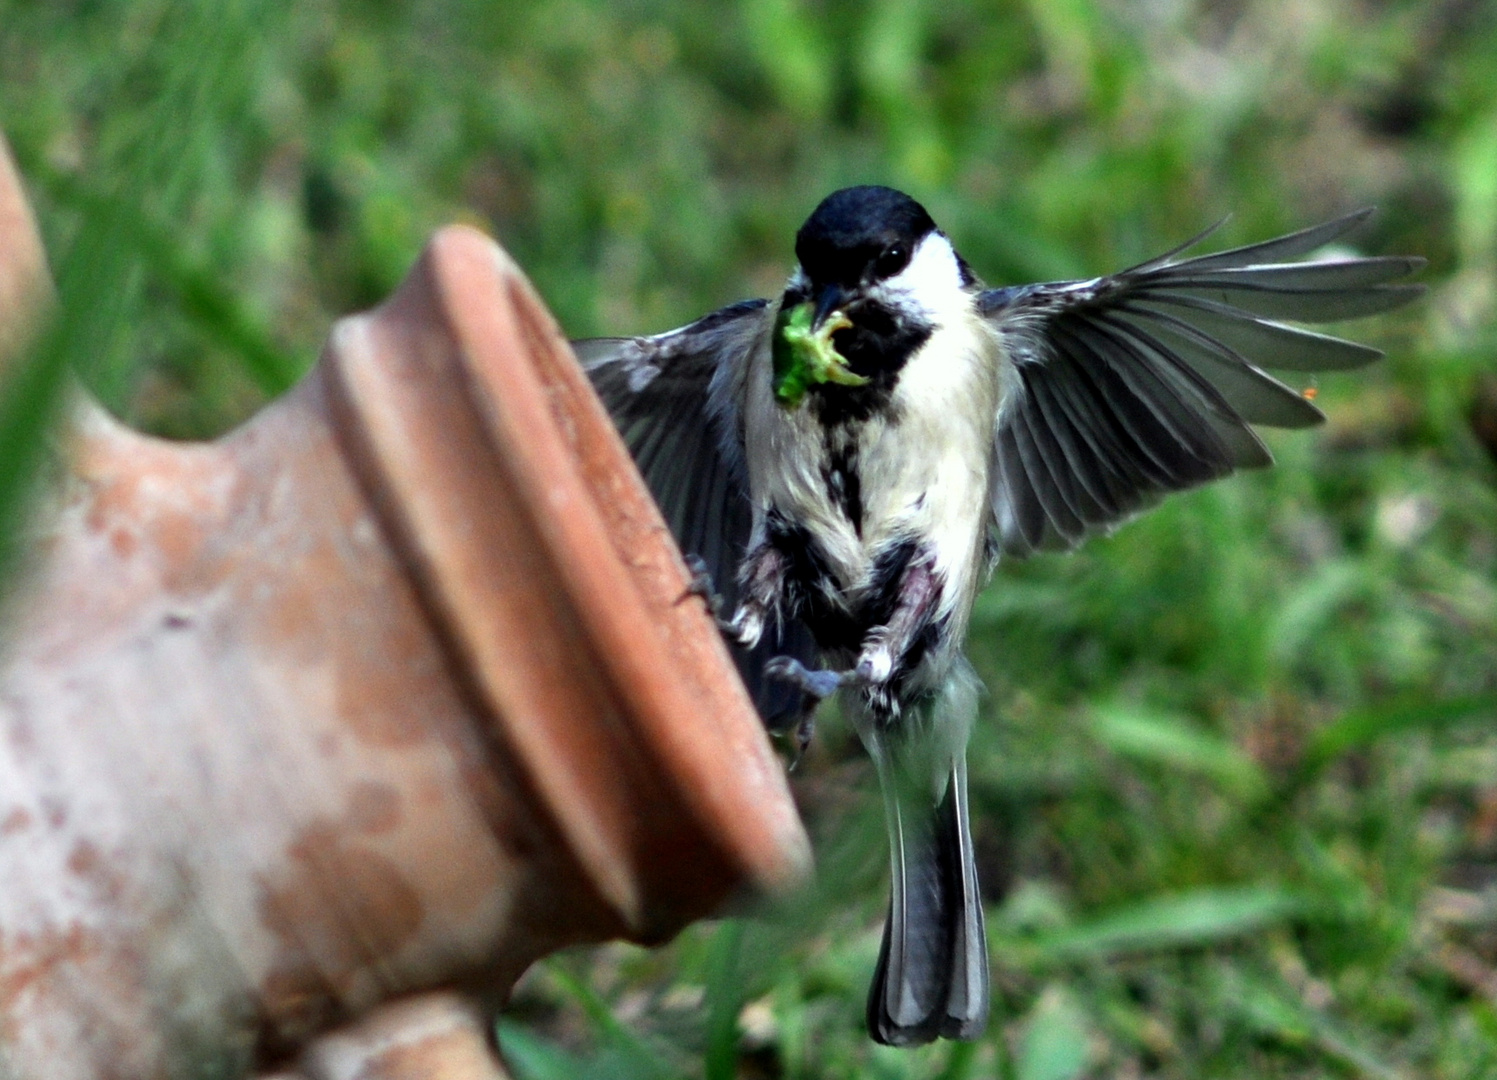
<point>1236,781</point>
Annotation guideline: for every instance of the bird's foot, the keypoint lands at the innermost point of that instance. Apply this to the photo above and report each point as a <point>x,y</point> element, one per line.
<point>703,585</point>
<point>815,683</point>
<point>743,628</point>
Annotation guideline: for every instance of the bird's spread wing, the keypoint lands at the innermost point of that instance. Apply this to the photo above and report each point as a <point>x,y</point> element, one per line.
<point>675,399</point>
<point>1130,386</point>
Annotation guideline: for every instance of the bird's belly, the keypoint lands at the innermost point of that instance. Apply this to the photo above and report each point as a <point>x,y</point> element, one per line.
<point>913,505</point>
<point>940,507</point>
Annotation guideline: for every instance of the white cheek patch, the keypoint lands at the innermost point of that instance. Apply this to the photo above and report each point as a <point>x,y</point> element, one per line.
<point>930,284</point>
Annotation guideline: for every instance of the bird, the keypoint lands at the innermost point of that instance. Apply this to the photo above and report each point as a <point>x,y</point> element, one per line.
<point>846,463</point>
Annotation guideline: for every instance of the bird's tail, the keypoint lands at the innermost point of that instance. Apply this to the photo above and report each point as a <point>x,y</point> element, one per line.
<point>932,975</point>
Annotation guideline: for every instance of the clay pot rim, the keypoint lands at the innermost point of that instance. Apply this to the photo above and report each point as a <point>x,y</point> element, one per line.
<point>664,659</point>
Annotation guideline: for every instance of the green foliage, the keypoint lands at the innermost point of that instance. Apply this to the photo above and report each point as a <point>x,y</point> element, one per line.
<point>1055,1044</point>
<point>1235,790</point>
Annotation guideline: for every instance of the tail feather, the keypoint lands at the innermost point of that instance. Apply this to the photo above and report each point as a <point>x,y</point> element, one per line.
<point>932,974</point>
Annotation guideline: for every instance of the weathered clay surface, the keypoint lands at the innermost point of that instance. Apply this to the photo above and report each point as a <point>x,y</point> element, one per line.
<point>432,1037</point>
<point>390,690</point>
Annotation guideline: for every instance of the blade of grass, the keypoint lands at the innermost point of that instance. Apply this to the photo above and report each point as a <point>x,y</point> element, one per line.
<point>1312,605</point>
<point>1056,1043</point>
<point>530,1057</point>
<point>211,307</point>
<point>200,54</point>
<point>1186,920</point>
<point>31,397</point>
<point>1278,1012</point>
<point>961,1061</point>
<point>1167,740</point>
<point>724,999</point>
<point>1363,726</point>
<point>639,1053</point>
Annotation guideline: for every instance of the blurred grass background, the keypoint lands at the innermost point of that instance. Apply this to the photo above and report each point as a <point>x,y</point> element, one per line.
<point>1236,784</point>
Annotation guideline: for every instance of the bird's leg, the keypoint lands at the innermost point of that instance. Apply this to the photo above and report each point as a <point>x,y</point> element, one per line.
<point>760,583</point>
<point>762,577</point>
<point>886,648</point>
<point>885,652</point>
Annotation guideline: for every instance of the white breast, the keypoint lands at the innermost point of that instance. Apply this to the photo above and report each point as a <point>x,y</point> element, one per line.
<point>923,467</point>
<point>925,471</point>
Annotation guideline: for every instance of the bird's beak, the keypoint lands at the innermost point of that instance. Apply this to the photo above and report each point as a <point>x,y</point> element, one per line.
<point>832,298</point>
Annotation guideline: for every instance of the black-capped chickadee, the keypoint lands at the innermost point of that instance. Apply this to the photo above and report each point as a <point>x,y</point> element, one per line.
<point>849,461</point>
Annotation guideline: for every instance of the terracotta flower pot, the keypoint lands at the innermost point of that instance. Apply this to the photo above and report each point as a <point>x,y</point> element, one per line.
<point>391,689</point>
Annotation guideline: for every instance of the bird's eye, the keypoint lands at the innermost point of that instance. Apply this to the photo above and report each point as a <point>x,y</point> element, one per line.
<point>894,259</point>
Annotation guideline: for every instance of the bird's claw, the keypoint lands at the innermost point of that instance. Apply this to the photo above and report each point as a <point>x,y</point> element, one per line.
<point>805,730</point>
<point>702,584</point>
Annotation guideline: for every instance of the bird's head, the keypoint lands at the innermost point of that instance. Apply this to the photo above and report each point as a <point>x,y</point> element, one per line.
<point>874,269</point>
